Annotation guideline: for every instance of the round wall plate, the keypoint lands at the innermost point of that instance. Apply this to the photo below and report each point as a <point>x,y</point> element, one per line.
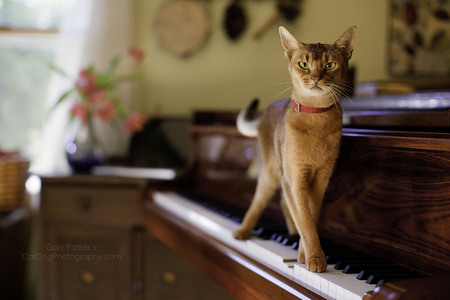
<point>182,26</point>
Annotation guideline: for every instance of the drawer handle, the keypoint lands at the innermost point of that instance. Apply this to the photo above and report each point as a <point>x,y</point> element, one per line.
<point>169,277</point>
<point>88,277</point>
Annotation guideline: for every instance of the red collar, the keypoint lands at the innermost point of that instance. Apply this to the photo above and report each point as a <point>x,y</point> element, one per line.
<point>309,109</point>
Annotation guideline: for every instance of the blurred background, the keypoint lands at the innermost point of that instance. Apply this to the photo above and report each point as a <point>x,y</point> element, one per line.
<point>217,72</point>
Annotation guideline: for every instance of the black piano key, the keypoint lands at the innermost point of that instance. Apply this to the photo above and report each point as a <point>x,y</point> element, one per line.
<point>290,240</point>
<point>364,274</point>
<point>236,219</point>
<point>280,237</point>
<point>268,231</point>
<point>274,236</point>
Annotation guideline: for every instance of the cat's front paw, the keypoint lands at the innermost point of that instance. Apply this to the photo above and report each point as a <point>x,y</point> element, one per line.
<point>316,264</point>
<point>242,234</point>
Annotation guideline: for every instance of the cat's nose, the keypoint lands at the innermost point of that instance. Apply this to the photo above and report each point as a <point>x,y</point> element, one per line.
<point>315,78</point>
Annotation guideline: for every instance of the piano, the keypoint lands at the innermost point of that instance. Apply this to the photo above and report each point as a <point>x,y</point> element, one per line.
<point>385,223</point>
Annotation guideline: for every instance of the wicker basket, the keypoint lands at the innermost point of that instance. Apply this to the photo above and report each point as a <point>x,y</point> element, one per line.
<point>13,174</point>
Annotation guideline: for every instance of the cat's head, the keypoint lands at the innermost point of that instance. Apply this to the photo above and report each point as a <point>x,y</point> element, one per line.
<point>318,71</point>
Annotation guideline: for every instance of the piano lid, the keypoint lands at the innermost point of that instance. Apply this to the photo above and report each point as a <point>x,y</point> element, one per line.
<point>415,101</point>
<point>428,111</point>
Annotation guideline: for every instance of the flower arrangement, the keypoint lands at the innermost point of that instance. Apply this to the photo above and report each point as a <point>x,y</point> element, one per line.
<point>96,95</point>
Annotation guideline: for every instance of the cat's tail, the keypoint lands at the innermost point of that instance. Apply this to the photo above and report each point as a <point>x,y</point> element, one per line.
<point>247,122</point>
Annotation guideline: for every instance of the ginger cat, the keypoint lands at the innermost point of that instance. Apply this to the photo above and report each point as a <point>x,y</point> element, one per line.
<point>299,139</point>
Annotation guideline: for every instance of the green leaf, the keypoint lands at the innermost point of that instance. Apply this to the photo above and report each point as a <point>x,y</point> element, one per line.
<point>90,69</point>
<point>63,96</point>
<point>57,69</point>
<point>60,99</point>
<point>113,65</point>
<point>121,111</point>
<point>103,80</point>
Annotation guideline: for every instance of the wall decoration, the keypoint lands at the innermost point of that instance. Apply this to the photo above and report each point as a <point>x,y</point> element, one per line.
<point>183,26</point>
<point>287,9</point>
<point>419,38</point>
<point>235,20</point>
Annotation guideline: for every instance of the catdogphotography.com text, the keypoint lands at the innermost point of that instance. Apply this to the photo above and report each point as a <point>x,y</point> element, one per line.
<point>72,252</point>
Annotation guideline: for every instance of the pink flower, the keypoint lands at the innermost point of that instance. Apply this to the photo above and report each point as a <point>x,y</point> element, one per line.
<point>106,110</point>
<point>99,97</point>
<point>86,82</point>
<point>80,111</point>
<point>134,122</point>
<point>136,54</point>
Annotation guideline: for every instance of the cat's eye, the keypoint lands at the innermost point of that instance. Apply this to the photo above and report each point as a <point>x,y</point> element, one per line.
<point>303,65</point>
<point>330,66</point>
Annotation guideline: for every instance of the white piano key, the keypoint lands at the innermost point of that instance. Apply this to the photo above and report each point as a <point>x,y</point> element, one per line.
<point>278,252</point>
<point>331,290</point>
<point>332,284</point>
<point>273,254</point>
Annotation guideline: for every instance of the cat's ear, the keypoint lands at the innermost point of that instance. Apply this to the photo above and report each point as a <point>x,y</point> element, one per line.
<point>289,41</point>
<point>345,42</point>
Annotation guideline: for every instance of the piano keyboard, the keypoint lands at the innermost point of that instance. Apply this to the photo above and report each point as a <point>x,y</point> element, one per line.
<point>282,254</point>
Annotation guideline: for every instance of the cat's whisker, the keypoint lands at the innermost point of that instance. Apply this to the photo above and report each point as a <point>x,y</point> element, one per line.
<point>341,94</point>
<point>335,98</point>
<point>283,92</point>
<point>342,91</point>
<point>344,83</point>
<point>337,94</point>
<point>284,82</point>
<point>344,87</point>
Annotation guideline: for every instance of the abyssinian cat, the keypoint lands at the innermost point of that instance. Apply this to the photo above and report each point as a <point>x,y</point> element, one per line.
<point>299,139</point>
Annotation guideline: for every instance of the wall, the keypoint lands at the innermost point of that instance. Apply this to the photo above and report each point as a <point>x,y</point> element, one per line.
<point>227,75</point>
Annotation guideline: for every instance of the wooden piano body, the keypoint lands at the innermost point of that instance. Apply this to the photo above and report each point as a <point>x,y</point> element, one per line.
<point>389,197</point>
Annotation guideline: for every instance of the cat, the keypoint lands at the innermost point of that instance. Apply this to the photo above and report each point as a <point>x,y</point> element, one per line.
<point>298,140</point>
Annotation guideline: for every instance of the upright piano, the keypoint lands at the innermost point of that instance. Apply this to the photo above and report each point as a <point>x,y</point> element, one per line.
<point>385,223</point>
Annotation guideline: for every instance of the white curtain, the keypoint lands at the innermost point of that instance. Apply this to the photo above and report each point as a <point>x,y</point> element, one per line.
<point>93,32</point>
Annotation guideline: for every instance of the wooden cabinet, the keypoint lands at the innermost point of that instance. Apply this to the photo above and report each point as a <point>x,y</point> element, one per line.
<point>88,232</point>
<point>93,246</point>
<point>175,278</point>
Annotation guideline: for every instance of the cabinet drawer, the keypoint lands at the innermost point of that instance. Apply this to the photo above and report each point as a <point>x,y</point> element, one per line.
<point>88,263</point>
<point>107,205</point>
<point>170,276</point>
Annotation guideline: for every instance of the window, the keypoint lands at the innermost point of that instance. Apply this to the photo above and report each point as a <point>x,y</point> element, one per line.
<point>31,14</point>
<point>28,43</point>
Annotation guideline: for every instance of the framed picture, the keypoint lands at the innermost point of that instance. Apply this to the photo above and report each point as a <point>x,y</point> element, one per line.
<point>419,39</point>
